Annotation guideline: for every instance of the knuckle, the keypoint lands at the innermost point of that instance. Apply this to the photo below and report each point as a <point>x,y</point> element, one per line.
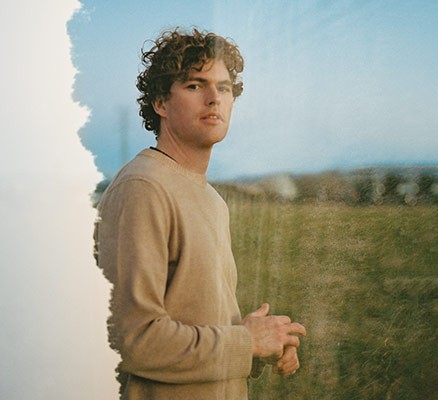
<point>271,320</point>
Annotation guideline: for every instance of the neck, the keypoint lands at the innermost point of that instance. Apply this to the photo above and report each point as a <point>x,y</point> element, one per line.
<point>193,158</point>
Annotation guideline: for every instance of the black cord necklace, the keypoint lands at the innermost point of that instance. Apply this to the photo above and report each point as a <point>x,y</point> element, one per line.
<point>162,152</point>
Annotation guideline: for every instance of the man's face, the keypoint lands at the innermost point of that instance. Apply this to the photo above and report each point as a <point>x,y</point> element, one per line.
<point>198,111</point>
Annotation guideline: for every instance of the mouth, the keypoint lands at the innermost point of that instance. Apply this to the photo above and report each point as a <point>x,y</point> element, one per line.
<point>212,117</point>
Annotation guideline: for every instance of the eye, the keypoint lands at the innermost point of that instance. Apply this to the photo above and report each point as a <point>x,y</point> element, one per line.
<point>224,89</point>
<point>193,86</point>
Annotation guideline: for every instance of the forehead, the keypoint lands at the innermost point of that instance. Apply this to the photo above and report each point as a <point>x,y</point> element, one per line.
<point>212,69</point>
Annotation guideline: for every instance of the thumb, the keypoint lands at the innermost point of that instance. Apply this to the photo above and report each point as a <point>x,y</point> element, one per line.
<point>262,311</point>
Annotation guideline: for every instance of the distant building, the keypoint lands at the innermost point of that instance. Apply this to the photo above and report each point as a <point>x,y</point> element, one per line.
<point>280,186</point>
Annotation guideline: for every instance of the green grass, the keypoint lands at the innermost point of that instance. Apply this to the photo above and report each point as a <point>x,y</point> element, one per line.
<point>364,282</point>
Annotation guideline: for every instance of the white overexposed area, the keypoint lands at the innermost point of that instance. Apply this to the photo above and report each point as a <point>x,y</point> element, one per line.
<point>54,300</point>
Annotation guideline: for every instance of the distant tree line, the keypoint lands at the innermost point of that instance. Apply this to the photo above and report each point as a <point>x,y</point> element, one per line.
<point>372,186</point>
<point>368,188</point>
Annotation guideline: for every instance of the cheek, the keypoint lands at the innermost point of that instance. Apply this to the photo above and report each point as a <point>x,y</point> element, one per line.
<point>178,116</point>
<point>228,103</point>
<point>230,110</point>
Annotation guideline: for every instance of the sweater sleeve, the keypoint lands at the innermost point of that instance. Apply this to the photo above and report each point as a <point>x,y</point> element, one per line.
<point>133,238</point>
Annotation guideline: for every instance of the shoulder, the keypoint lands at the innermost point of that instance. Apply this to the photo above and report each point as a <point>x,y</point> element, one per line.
<point>143,173</point>
<point>139,184</point>
<point>143,167</point>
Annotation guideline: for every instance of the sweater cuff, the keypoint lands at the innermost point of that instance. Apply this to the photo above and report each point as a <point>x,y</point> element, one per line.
<point>239,349</point>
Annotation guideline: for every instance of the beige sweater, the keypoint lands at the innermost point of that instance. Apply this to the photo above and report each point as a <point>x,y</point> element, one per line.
<point>163,241</point>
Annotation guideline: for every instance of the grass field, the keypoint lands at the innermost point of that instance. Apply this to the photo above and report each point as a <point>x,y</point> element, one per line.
<point>364,282</point>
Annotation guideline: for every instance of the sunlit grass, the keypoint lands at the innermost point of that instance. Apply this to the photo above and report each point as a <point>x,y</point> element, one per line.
<point>364,282</point>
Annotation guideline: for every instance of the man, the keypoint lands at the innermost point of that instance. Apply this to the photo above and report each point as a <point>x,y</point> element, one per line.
<point>163,240</point>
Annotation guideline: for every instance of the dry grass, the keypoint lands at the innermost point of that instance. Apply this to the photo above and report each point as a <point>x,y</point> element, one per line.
<point>362,280</point>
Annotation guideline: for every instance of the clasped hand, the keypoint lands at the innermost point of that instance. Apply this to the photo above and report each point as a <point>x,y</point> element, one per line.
<point>274,340</point>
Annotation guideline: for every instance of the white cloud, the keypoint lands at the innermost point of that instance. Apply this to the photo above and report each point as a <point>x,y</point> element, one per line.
<point>54,299</point>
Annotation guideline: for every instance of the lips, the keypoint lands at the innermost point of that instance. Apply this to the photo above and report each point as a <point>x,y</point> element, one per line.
<point>212,116</point>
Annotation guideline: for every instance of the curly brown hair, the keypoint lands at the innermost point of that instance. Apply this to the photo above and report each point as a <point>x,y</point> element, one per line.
<point>172,57</point>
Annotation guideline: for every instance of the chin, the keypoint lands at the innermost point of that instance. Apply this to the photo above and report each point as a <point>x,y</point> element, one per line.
<point>212,137</point>
<point>219,137</point>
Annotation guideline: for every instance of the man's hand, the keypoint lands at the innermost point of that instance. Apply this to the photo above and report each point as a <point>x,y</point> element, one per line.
<point>271,334</point>
<point>288,363</point>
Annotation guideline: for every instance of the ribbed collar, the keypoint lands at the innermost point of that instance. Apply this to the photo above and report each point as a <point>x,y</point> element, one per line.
<point>200,179</point>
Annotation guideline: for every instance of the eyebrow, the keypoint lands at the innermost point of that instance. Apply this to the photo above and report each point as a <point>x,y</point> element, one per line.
<point>202,80</point>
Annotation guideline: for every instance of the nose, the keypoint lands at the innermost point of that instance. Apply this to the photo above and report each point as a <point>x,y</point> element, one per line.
<point>212,96</point>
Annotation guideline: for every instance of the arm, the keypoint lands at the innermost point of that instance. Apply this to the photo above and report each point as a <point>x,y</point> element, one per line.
<point>133,240</point>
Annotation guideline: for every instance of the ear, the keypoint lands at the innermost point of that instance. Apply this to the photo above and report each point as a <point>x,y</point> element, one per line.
<point>160,107</point>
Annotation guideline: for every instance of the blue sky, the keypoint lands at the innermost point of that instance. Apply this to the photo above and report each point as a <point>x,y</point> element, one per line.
<point>328,84</point>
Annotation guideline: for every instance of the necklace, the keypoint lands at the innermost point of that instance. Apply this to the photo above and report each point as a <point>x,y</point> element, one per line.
<point>162,152</point>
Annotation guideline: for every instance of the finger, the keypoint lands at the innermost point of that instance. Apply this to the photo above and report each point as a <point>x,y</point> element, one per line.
<point>262,311</point>
<point>284,371</point>
<point>288,367</point>
<point>283,319</point>
<point>289,354</point>
<point>288,373</point>
<point>296,328</point>
<point>290,364</point>
<point>291,341</point>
